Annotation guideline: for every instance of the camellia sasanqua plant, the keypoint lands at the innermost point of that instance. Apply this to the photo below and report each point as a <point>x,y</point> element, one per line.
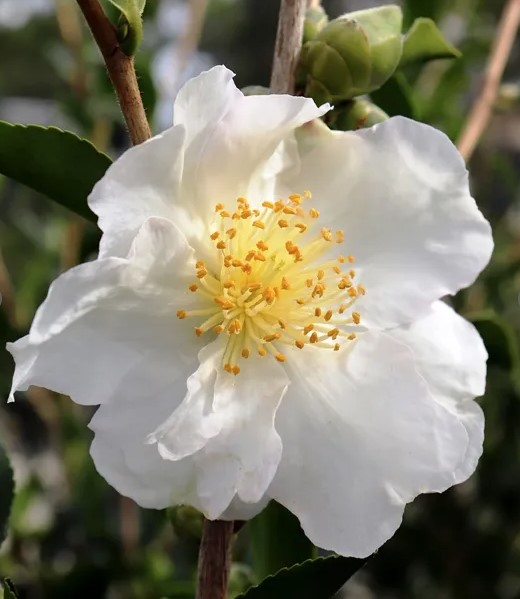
<point>265,321</point>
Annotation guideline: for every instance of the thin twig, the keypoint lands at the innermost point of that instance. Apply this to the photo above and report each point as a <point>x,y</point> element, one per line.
<point>481,111</point>
<point>288,45</point>
<point>120,69</point>
<point>214,559</point>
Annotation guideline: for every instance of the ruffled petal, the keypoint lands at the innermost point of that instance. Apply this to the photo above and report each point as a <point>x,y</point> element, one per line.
<point>361,437</point>
<point>142,183</point>
<point>227,424</point>
<point>231,138</point>
<point>400,192</point>
<point>451,357</point>
<point>108,327</point>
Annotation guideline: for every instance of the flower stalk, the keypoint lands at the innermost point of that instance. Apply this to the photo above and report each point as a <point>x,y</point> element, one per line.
<point>214,559</point>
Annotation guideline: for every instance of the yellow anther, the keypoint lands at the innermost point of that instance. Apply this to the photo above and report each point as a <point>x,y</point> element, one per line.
<point>361,289</point>
<point>272,337</point>
<point>258,224</point>
<point>242,200</point>
<point>336,347</point>
<point>278,205</point>
<point>250,255</point>
<point>344,283</point>
<point>352,272</point>
<point>285,283</point>
<point>326,234</point>
<point>228,284</point>
<point>262,352</point>
<point>283,224</point>
<point>218,329</point>
<point>247,269</point>
<point>193,287</point>
<point>282,323</point>
<point>350,258</point>
<point>340,236</point>
<point>181,314</point>
<point>227,367</point>
<point>246,214</point>
<point>356,317</point>
<point>336,269</point>
<point>333,333</point>
<point>245,353</point>
<point>341,259</point>
<point>301,301</point>
<point>236,216</point>
<point>307,329</point>
<point>352,336</point>
<point>255,287</point>
<point>269,295</point>
<point>235,327</point>
<point>219,207</point>
<point>317,312</point>
<point>214,235</point>
<point>236,262</point>
<point>307,194</point>
<point>259,256</point>
<point>198,331</point>
<point>225,214</point>
<point>261,245</point>
<point>221,245</point>
<point>301,227</point>
<point>296,198</point>
<point>280,357</point>
<point>309,283</point>
<point>313,213</point>
<point>223,302</point>
<point>342,308</point>
<point>299,344</point>
<point>289,210</point>
<point>268,205</point>
<point>328,315</point>
<point>353,292</point>
<point>235,369</point>
<point>231,233</point>
<point>319,290</point>
<point>199,264</point>
<point>314,337</point>
<point>201,273</point>
<point>321,274</point>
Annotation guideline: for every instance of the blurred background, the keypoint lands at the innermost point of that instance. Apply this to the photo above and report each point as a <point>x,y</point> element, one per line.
<point>71,535</point>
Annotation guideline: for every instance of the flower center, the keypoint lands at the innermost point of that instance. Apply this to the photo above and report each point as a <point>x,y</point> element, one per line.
<point>275,283</point>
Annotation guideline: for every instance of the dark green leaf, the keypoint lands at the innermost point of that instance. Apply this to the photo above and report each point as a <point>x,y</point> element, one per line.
<point>396,97</point>
<point>130,26</point>
<point>54,162</point>
<point>320,578</point>
<point>10,591</point>
<point>424,41</point>
<point>7,493</point>
<point>269,553</point>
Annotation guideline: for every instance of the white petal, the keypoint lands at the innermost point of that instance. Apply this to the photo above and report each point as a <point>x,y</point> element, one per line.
<point>227,424</point>
<point>451,357</point>
<point>400,192</point>
<point>107,328</point>
<point>134,468</point>
<point>230,138</point>
<point>141,183</point>
<point>240,510</point>
<point>361,437</point>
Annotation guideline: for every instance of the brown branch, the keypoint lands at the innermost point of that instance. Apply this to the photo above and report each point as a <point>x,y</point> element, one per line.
<point>288,44</point>
<point>313,3</point>
<point>214,559</point>
<point>481,111</point>
<point>120,69</point>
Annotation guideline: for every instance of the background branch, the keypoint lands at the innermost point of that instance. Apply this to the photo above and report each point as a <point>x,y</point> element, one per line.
<point>481,111</point>
<point>288,45</point>
<point>214,559</point>
<point>120,69</point>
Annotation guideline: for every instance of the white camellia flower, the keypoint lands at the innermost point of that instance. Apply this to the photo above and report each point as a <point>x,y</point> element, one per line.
<point>264,317</point>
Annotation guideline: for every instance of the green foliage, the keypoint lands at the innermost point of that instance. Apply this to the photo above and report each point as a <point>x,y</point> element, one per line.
<point>319,578</point>
<point>356,114</point>
<point>53,162</point>
<point>130,24</point>
<point>9,590</point>
<point>269,552</point>
<point>7,493</point>
<point>315,20</point>
<point>500,340</point>
<point>424,41</point>
<point>397,97</point>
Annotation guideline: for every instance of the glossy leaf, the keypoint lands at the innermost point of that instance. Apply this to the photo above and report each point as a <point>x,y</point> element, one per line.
<point>7,494</point>
<point>268,551</point>
<point>53,162</point>
<point>424,41</point>
<point>396,97</point>
<point>320,578</point>
<point>130,26</point>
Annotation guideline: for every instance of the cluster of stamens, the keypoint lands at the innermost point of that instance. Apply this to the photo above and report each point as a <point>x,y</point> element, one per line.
<point>274,282</point>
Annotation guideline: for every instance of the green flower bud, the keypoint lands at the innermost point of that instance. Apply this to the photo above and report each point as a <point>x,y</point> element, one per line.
<point>315,20</point>
<point>356,114</point>
<point>353,55</point>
